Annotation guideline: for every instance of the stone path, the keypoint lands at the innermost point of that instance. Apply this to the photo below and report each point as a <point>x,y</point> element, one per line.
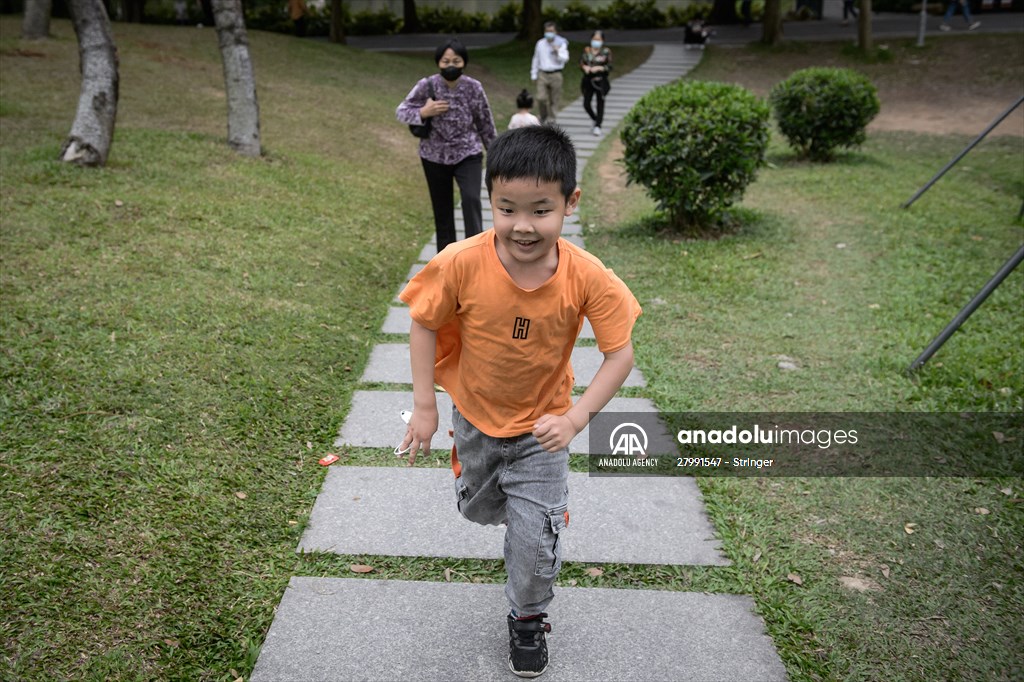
<point>650,520</point>
<point>342,629</point>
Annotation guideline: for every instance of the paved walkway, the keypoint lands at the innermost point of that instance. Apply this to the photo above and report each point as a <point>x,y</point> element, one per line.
<point>342,629</point>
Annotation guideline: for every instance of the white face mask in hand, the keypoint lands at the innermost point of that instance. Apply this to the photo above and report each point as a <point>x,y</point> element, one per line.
<point>406,416</point>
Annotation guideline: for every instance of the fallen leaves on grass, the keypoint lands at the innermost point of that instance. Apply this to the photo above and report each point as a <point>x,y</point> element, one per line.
<point>909,528</point>
<point>360,568</point>
<point>594,571</point>
<point>447,575</point>
<point>982,511</point>
<point>885,571</point>
<point>757,556</point>
<point>795,579</point>
<point>240,495</point>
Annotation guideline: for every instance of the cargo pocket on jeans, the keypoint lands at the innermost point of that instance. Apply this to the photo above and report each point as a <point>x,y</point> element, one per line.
<point>461,492</point>
<point>549,553</point>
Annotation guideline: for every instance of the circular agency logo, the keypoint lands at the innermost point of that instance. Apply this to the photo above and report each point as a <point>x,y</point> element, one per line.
<point>628,439</point>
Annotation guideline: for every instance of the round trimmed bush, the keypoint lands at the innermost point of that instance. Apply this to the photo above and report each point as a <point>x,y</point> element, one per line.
<point>695,146</point>
<point>820,110</point>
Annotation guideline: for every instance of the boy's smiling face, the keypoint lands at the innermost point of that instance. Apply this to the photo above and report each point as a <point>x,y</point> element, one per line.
<point>528,217</point>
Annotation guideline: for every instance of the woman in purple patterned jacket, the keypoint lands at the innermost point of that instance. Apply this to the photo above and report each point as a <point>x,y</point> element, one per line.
<point>462,128</point>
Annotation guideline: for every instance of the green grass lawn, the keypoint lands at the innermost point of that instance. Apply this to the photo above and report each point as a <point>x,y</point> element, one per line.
<point>182,332</point>
<point>828,270</point>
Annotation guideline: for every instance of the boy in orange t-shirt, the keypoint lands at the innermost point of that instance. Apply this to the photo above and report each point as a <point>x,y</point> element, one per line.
<point>495,318</point>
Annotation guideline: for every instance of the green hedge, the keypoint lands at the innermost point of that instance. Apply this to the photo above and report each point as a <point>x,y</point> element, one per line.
<point>696,146</point>
<point>820,110</point>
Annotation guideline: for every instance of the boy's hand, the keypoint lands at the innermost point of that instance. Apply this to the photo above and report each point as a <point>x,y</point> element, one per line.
<point>554,431</point>
<point>421,428</point>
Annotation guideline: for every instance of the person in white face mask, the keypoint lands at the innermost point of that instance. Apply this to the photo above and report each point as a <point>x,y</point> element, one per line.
<point>550,56</point>
<point>596,64</point>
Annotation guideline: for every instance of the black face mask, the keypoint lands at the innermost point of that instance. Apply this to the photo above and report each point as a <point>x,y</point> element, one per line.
<point>451,73</point>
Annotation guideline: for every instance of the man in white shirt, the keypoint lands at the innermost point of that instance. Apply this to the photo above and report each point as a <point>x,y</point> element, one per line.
<point>549,58</point>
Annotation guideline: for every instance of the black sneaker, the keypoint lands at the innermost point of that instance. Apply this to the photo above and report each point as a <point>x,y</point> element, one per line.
<point>527,648</point>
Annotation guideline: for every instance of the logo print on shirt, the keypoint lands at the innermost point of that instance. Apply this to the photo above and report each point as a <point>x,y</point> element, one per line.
<point>521,328</point>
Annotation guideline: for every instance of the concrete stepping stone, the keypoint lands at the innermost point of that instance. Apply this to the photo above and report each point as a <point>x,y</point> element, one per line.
<point>374,421</point>
<point>331,629</point>
<point>403,511</point>
<point>398,322</point>
<point>389,363</point>
<point>428,251</point>
<point>574,123</point>
<point>574,239</point>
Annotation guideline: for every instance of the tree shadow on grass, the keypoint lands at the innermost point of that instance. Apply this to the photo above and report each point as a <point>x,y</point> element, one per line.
<point>737,222</point>
<point>791,159</point>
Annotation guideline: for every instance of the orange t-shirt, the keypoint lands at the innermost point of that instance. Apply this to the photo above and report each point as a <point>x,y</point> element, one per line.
<point>503,351</point>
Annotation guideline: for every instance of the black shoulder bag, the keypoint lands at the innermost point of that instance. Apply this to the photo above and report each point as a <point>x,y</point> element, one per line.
<point>423,129</point>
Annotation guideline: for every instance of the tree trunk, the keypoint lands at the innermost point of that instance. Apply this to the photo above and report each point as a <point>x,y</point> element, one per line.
<point>337,22</point>
<point>207,7</point>
<point>133,11</point>
<point>723,12</point>
<point>771,23</point>
<point>864,38</point>
<point>239,80</point>
<point>88,143</point>
<point>410,19</point>
<point>533,21</point>
<point>36,23</point>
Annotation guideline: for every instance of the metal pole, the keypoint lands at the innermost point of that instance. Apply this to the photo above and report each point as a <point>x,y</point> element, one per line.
<point>959,156</point>
<point>962,316</point>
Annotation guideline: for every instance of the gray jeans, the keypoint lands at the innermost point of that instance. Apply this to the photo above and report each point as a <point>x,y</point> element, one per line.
<point>518,482</point>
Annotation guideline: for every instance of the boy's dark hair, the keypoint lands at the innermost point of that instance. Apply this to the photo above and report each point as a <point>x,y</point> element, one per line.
<point>543,153</point>
<point>550,24</point>
<point>456,46</point>
<point>524,100</point>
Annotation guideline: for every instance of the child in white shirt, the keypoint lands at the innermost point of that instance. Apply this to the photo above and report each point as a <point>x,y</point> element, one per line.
<point>523,117</point>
